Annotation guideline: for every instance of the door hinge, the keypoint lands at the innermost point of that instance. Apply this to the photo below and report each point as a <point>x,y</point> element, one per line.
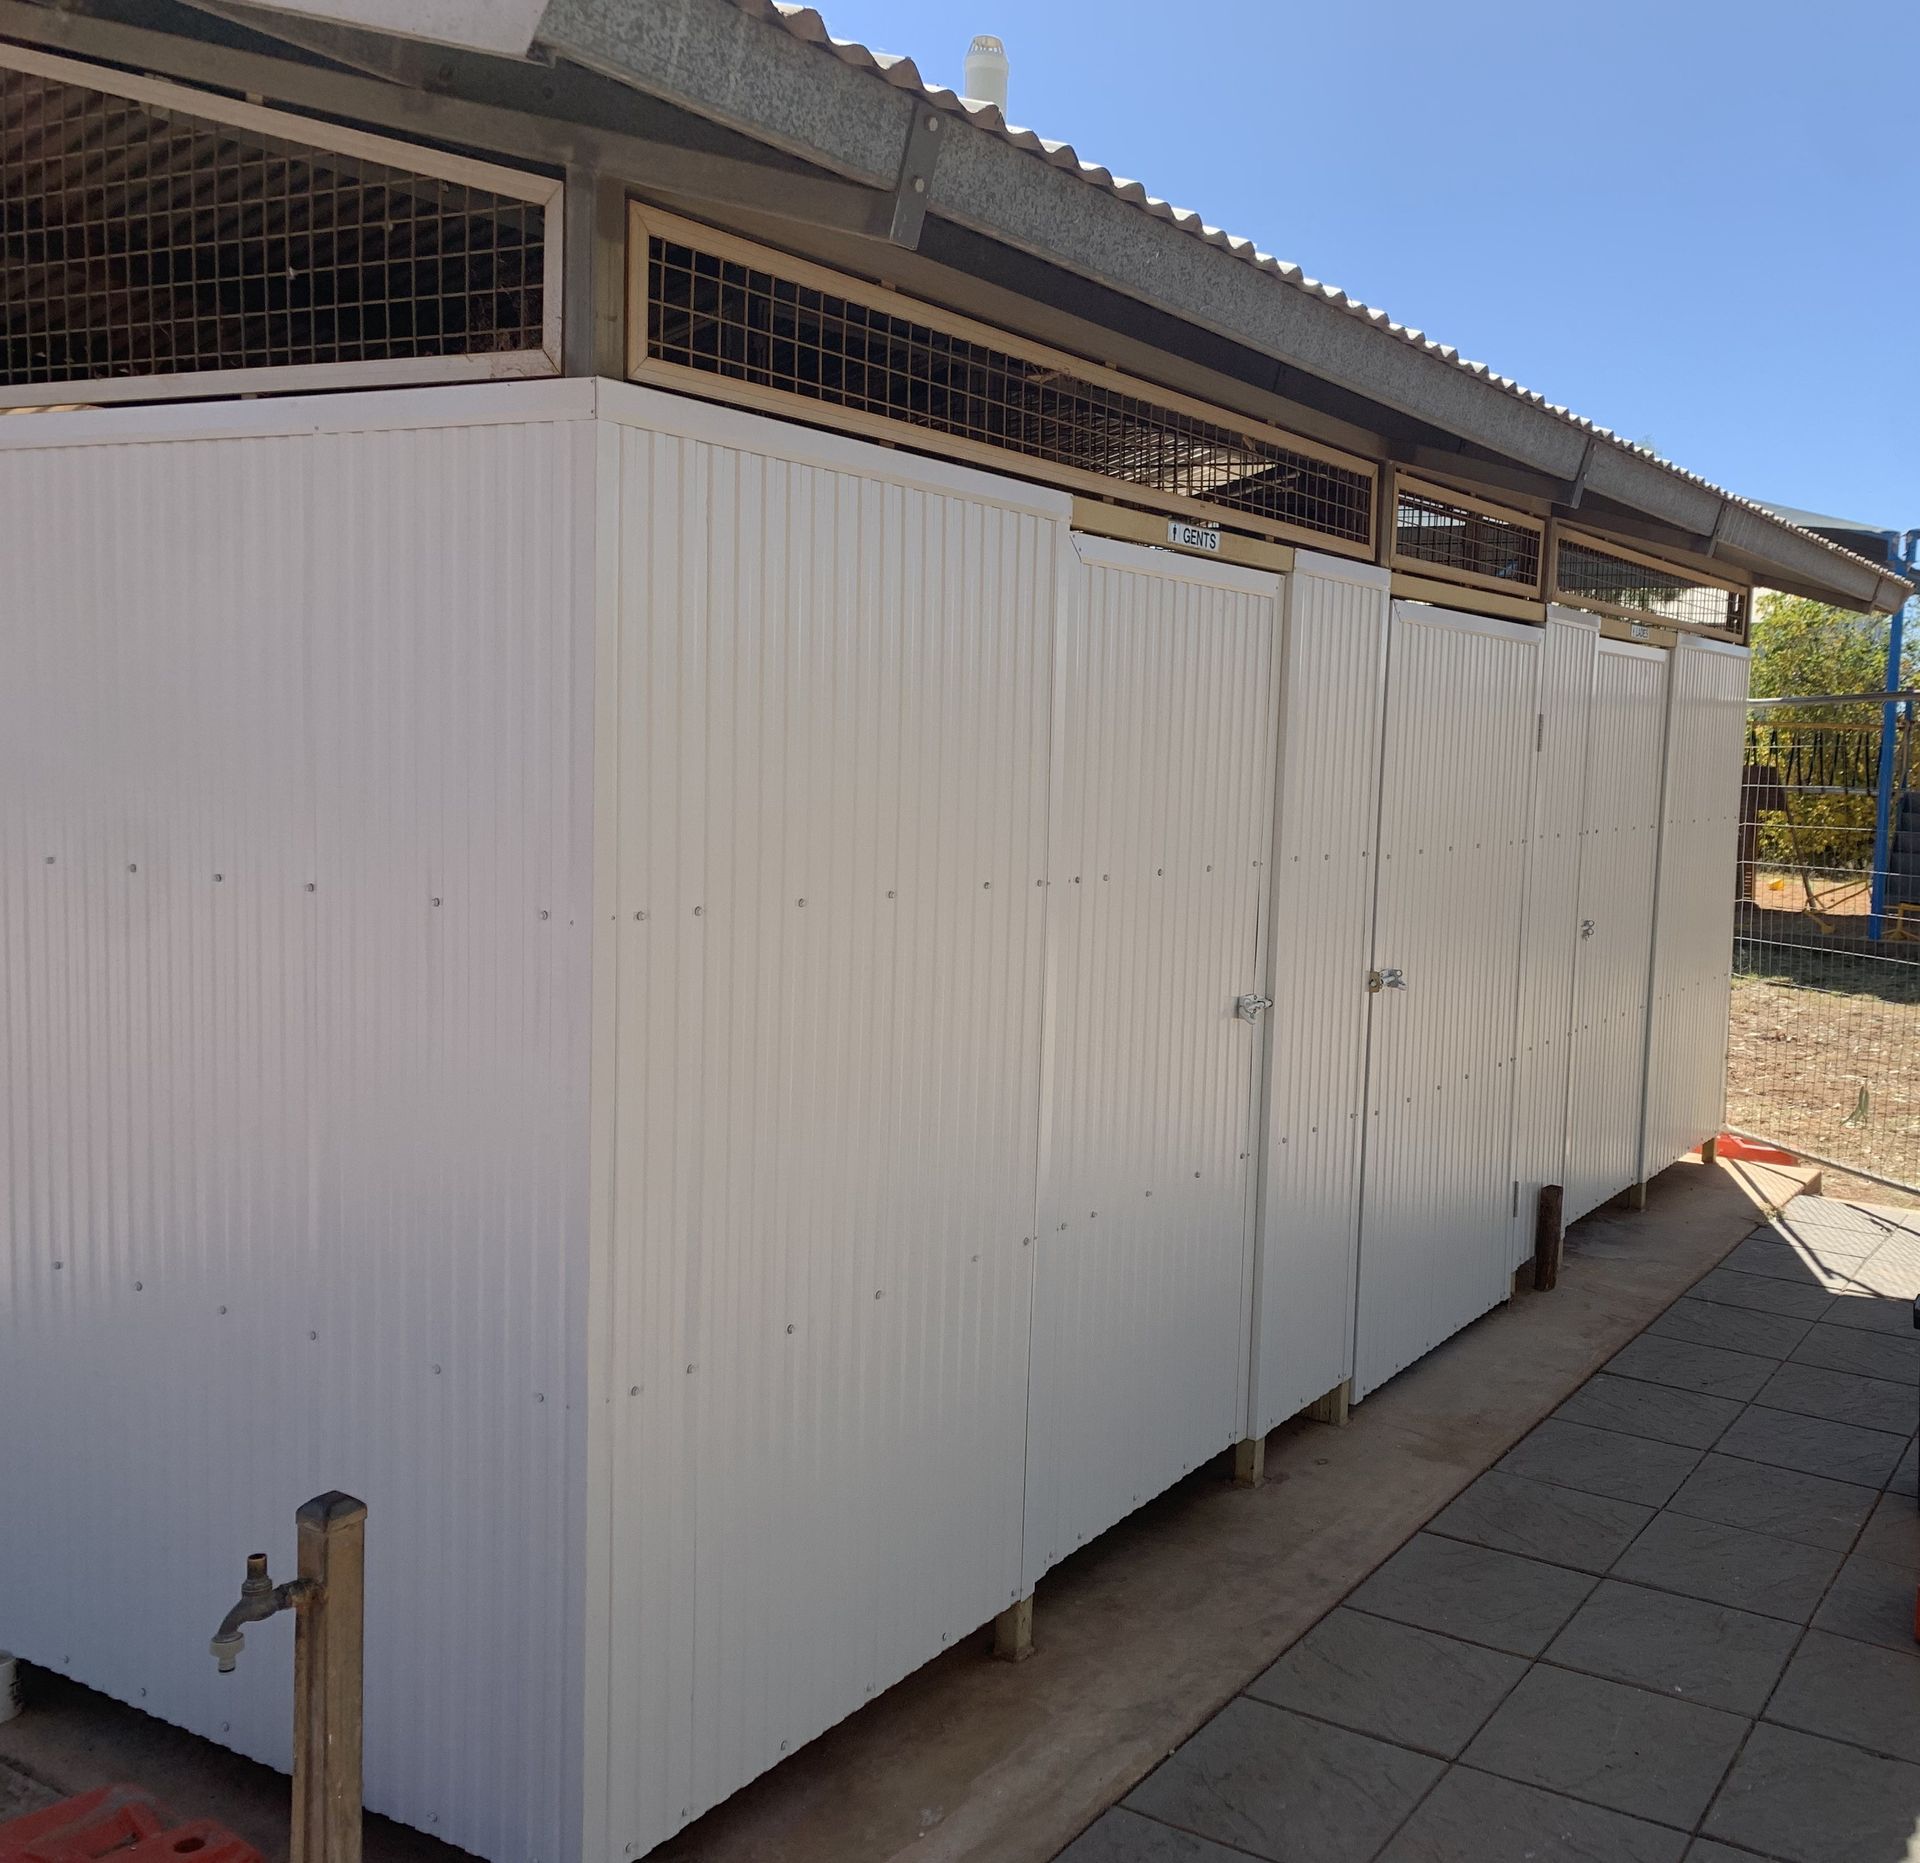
<point>1516,1196</point>
<point>1539,730</point>
<point>1248,1008</point>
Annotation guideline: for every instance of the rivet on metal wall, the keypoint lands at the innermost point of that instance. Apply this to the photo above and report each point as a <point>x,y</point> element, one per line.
<point>789,1326</point>
<point>689,1371</point>
<point>546,915</point>
<point>59,1264</point>
<point>313,1335</point>
<point>218,877</point>
<point>133,866</point>
<point>539,1397</point>
<point>436,1371</point>
<point>698,910</point>
<point>877,1292</point>
<point>986,886</point>
<point>436,902</point>
<point>799,902</point>
<point>220,1309</point>
<point>139,1286</point>
<point>633,1390</point>
<point>639,917</point>
<point>50,863</point>
<point>311,887</point>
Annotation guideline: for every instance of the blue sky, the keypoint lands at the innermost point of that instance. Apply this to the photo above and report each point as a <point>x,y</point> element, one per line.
<point>1695,222</point>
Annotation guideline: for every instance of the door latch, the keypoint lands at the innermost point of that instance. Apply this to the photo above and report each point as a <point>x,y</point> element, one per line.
<point>1586,928</point>
<point>1390,979</point>
<point>1248,1008</point>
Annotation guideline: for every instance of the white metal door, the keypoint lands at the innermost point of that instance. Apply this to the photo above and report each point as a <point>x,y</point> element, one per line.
<point>1549,947</point>
<point>1320,916</point>
<point>1619,853</point>
<point>1686,1098</point>
<point>1455,803</point>
<point>1161,817</point>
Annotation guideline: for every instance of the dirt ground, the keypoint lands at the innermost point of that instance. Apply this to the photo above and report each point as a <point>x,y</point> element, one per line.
<point>1833,1070</point>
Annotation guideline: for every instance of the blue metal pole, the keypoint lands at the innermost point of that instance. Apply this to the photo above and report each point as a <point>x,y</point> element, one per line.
<point>1905,553</point>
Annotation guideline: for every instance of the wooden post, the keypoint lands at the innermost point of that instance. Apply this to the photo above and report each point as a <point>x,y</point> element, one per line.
<point>327,1643</point>
<point>1250,1462</point>
<point>1710,1149</point>
<point>1548,1236</point>
<point>1013,1631</point>
<point>1333,1408</point>
<point>1637,1195</point>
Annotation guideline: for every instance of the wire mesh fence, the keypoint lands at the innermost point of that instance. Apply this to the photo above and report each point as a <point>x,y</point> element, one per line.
<point>1824,1038</point>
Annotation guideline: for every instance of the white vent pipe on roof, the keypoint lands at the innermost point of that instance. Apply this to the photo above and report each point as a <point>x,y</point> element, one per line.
<point>985,74</point>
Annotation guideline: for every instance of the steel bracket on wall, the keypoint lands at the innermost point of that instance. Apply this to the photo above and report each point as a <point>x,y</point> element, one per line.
<point>910,192</point>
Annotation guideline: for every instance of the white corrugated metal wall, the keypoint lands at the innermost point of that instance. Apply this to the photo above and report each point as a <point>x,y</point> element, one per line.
<point>1334,653</point>
<point>1567,657</point>
<point>1618,864</point>
<point>1693,933</point>
<point>309,1140</point>
<point>1456,802</point>
<point>834,668</point>
<point>1162,820</point>
<point>294,892</point>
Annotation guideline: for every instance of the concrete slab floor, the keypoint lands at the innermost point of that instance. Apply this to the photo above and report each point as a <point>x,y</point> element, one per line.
<point>1142,1637</point>
<point>1717,1667</point>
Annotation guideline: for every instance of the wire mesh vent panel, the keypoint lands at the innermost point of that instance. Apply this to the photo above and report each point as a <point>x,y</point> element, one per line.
<point>730,319</point>
<point>136,239</point>
<point>1429,530</point>
<point>1585,574</point>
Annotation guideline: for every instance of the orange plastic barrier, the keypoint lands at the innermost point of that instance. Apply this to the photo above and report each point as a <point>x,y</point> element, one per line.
<point>121,1822</point>
<point>1749,1151</point>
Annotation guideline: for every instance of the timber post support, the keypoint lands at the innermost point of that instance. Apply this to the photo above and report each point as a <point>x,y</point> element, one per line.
<point>1549,1237</point>
<point>1013,1631</point>
<point>1335,1406</point>
<point>328,1647</point>
<point>1250,1462</point>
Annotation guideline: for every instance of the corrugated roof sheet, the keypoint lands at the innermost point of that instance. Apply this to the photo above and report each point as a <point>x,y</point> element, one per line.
<point>805,23</point>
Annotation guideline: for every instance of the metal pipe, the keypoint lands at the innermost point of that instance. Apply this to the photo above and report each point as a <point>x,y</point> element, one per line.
<point>1904,551</point>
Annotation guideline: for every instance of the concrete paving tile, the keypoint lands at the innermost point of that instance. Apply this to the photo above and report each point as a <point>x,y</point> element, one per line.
<point>1807,1800</point>
<point>1683,1647</point>
<point>1869,1354</point>
<point>1891,1273</point>
<point>1785,1502</point>
<point>1893,1534</point>
<point>1705,1850</point>
<point>1869,1313</point>
<point>1789,1439</point>
<point>1626,1468</point>
<point>1123,1836</point>
<point>1692,1367</point>
<point>1473,1592</point>
<point>1564,1526</point>
<point>1610,1744</point>
<point>1474,1817</point>
<point>1841,1397</point>
<point>1410,1686</point>
<point>1805,1264</point>
<point>1905,1477</point>
<point>1739,1329</point>
<point>1843,1690</point>
<point>1727,1565</point>
<point>1669,1415</point>
<point>1762,1293</point>
<point>1871,1602</point>
<point>1818,1216</point>
<point>1286,1788</point>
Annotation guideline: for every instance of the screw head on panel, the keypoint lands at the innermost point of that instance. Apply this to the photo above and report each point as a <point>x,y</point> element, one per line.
<point>633,1390</point>
<point>546,915</point>
<point>133,866</point>
<point>313,1335</point>
<point>311,887</point>
<point>218,877</point>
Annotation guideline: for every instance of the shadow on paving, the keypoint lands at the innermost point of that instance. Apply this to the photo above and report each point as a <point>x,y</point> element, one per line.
<point>1674,1624</point>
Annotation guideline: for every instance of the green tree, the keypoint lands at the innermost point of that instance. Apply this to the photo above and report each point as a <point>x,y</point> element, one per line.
<point>1805,647</point>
